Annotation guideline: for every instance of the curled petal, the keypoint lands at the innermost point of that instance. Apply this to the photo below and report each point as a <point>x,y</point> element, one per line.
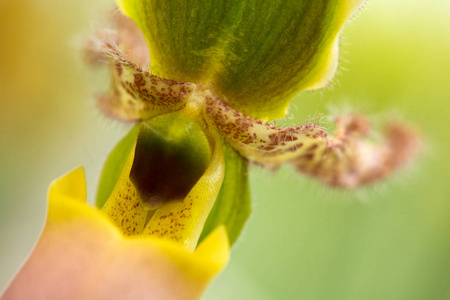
<point>262,142</point>
<point>81,255</point>
<point>346,159</point>
<point>130,38</point>
<point>352,160</point>
<point>135,93</point>
<point>122,31</point>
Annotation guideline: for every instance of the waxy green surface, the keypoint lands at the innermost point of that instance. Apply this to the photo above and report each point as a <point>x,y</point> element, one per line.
<point>233,204</point>
<point>256,55</point>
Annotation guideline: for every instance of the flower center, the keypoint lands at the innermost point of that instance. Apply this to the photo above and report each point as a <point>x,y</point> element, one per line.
<point>172,153</point>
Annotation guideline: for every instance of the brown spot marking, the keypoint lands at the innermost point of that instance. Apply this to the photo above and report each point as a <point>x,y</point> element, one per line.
<point>309,156</point>
<point>139,79</point>
<point>312,148</point>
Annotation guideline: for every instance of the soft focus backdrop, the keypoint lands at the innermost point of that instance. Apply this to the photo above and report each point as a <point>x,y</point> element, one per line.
<point>303,241</point>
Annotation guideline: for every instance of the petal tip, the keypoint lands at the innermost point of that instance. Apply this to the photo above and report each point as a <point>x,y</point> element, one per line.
<point>216,247</point>
<point>72,184</point>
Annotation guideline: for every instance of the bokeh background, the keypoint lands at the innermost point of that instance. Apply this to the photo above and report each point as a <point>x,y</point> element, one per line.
<point>303,241</point>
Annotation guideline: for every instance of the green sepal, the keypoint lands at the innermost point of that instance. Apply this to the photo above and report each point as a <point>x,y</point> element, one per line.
<point>256,55</point>
<point>233,204</point>
<point>114,165</point>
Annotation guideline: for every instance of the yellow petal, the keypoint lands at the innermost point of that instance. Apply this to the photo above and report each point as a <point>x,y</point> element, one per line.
<point>123,206</point>
<point>81,255</point>
<point>71,185</point>
<point>180,220</point>
<point>183,221</point>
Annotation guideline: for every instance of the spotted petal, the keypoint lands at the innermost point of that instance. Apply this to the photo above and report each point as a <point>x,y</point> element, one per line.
<point>136,94</point>
<point>348,158</point>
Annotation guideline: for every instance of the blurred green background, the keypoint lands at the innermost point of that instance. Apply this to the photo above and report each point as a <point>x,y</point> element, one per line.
<point>303,241</point>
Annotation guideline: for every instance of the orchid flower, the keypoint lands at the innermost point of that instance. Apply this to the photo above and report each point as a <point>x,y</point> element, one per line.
<point>201,80</point>
<point>234,65</point>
